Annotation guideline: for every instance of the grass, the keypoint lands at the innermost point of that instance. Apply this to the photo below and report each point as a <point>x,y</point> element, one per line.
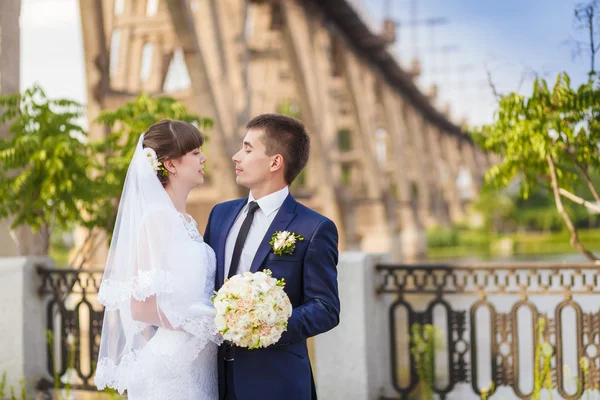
<point>463,243</point>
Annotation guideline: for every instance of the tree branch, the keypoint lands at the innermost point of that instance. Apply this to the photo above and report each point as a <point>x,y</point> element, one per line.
<point>584,172</point>
<point>14,236</point>
<point>497,94</point>
<point>589,183</point>
<point>91,236</point>
<point>576,199</point>
<point>559,206</point>
<point>91,252</point>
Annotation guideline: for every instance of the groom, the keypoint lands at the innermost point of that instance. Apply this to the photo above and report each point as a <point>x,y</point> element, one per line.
<point>274,151</point>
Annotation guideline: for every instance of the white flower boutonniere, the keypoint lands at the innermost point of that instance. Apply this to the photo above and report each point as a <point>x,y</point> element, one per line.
<point>153,160</point>
<point>284,242</point>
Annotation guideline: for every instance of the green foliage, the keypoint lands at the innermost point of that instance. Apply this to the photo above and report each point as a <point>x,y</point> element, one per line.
<point>487,392</point>
<point>497,208</point>
<point>425,340</point>
<point>504,211</point>
<point>538,212</point>
<point>290,109</point>
<point>442,237</point>
<point>3,385</point>
<point>113,394</point>
<point>547,140</point>
<point>457,236</point>
<point>23,389</point>
<point>542,374</point>
<point>562,123</point>
<point>50,343</point>
<point>344,140</point>
<point>13,396</point>
<point>44,163</point>
<point>52,177</point>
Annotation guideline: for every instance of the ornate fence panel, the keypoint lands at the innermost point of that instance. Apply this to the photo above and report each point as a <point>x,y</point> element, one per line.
<point>489,318</point>
<point>74,323</point>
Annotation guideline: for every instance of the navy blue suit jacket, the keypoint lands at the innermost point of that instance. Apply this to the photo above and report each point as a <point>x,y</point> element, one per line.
<point>283,371</point>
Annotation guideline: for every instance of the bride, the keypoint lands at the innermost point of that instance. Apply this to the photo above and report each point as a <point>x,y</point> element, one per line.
<point>158,339</point>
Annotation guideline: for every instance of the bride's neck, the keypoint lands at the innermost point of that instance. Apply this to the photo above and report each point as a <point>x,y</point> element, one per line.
<point>178,197</point>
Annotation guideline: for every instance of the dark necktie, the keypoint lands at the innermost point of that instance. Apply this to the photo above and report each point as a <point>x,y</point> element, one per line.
<point>241,239</point>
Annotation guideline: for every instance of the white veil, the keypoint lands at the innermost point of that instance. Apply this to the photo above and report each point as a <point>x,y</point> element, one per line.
<point>155,278</point>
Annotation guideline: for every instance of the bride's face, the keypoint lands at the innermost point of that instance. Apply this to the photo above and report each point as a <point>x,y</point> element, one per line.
<point>189,168</point>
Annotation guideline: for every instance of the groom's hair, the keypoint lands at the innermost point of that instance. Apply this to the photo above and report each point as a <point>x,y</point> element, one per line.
<point>286,136</point>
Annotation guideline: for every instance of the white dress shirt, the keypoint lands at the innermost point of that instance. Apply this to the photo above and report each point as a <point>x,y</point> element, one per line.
<point>263,217</point>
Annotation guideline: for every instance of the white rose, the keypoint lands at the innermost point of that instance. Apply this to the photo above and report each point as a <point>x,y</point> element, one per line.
<point>283,235</point>
<point>244,320</point>
<point>220,322</point>
<point>271,317</point>
<point>156,165</point>
<point>260,278</point>
<point>279,244</point>
<point>150,153</point>
<point>221,307</point>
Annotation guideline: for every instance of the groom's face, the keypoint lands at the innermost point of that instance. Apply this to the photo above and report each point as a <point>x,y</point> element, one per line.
<point>252,165</point>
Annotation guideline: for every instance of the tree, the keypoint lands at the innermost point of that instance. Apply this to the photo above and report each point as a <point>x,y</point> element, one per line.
<point>549,139</point>
<point>497,209</point>
<point>45,164</point>
<point>113,156</point>
<point>587,17</point>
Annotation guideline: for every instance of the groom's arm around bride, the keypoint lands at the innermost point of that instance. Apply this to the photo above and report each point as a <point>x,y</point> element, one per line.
<point>243,234</point>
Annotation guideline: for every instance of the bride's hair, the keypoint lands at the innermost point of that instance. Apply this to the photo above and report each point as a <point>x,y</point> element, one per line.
<point>171,139</point>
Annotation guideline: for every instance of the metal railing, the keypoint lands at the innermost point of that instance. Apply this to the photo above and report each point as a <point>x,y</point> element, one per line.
<point>489,317</point>
<point>74,323</point>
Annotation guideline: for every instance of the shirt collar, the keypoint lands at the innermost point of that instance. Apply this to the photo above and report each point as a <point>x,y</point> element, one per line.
<point>272,202</point>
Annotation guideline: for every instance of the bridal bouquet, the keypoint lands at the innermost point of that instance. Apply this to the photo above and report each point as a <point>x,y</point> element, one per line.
<point>252,309</point>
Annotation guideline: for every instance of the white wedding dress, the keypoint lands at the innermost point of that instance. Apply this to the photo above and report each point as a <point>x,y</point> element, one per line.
<point>166,370</point>
<point>159,340</point>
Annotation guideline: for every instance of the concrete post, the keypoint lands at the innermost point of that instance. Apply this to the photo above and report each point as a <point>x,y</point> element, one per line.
<point>22,329</point>
<point>353,360</point>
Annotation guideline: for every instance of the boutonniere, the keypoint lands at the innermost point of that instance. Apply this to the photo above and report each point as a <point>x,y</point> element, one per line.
<point>284,242</point>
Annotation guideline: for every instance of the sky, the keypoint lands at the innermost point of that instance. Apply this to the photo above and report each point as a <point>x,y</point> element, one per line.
<point>514,40</point>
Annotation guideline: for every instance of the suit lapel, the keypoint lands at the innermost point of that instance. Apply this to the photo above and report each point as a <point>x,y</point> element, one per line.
<point>282,220</point>
<point>227,224</point>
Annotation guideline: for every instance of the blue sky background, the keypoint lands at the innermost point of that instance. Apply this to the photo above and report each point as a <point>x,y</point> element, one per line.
<point>513,39</point>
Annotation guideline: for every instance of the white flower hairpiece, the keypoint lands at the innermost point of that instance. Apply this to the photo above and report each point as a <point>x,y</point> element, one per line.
<point>153,160</point>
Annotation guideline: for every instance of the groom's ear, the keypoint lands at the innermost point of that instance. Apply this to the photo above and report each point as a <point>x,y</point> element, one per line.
<point>276,162</point>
